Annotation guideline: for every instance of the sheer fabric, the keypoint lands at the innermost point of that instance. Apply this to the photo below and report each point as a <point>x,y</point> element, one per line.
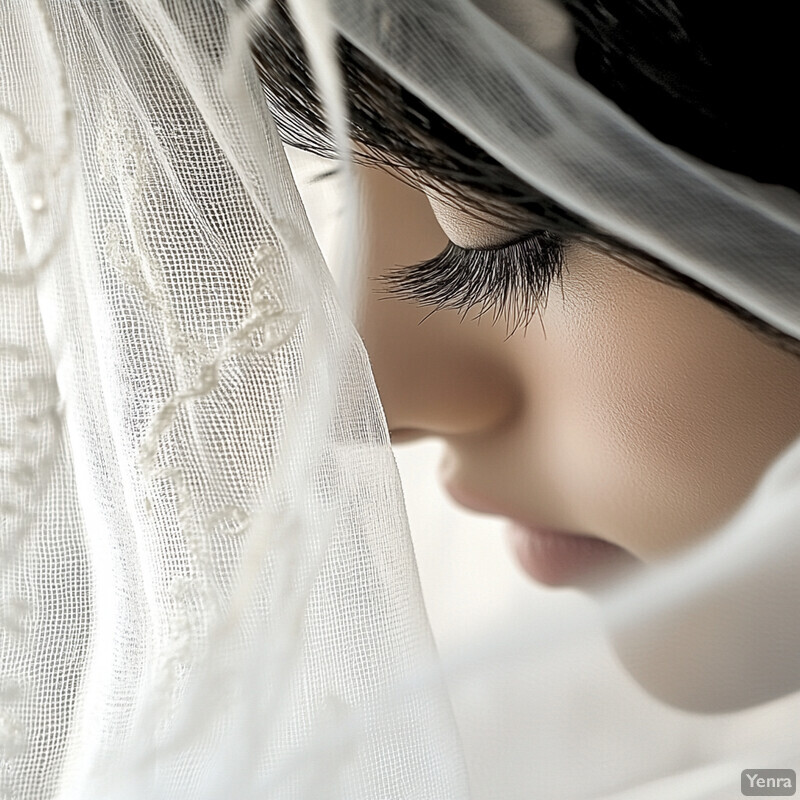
<point>208,584</point>
<point>567,140</point>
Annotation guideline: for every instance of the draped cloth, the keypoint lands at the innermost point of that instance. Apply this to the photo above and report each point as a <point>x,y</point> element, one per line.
<point>208,587</point>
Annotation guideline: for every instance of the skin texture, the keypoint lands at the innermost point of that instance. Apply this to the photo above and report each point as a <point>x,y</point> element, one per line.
<point>629,409</point>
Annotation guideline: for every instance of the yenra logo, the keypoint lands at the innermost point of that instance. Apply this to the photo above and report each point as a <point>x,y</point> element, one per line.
<point>769,782</point>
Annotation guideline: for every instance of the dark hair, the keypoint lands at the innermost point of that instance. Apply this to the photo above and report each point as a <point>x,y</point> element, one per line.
<point>677,71</point>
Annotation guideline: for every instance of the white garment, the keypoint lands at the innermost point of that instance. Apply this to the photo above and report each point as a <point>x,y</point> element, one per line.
<point>208,586</point>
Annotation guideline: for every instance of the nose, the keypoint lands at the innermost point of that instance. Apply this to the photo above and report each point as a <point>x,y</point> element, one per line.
<point>436,374</point>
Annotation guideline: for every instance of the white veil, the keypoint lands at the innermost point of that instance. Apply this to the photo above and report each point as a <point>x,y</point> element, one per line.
<point>208,586</point>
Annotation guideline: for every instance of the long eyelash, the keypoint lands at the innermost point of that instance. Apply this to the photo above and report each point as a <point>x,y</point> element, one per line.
<point>512,280</point>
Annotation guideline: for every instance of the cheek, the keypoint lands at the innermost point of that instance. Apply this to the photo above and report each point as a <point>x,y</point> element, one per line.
<point>662,410</point>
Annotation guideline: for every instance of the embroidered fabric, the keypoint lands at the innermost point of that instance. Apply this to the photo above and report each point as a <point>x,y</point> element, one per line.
<point>208,585</point>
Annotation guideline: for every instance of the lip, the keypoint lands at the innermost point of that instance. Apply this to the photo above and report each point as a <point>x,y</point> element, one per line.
<point>558,558</point>
<point>549,556</point>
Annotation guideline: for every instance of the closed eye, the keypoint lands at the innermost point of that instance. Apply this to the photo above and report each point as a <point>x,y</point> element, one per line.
<point>511,280</point>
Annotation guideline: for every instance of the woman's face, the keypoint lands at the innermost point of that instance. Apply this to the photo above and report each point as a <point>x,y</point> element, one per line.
<point>628,410</point>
